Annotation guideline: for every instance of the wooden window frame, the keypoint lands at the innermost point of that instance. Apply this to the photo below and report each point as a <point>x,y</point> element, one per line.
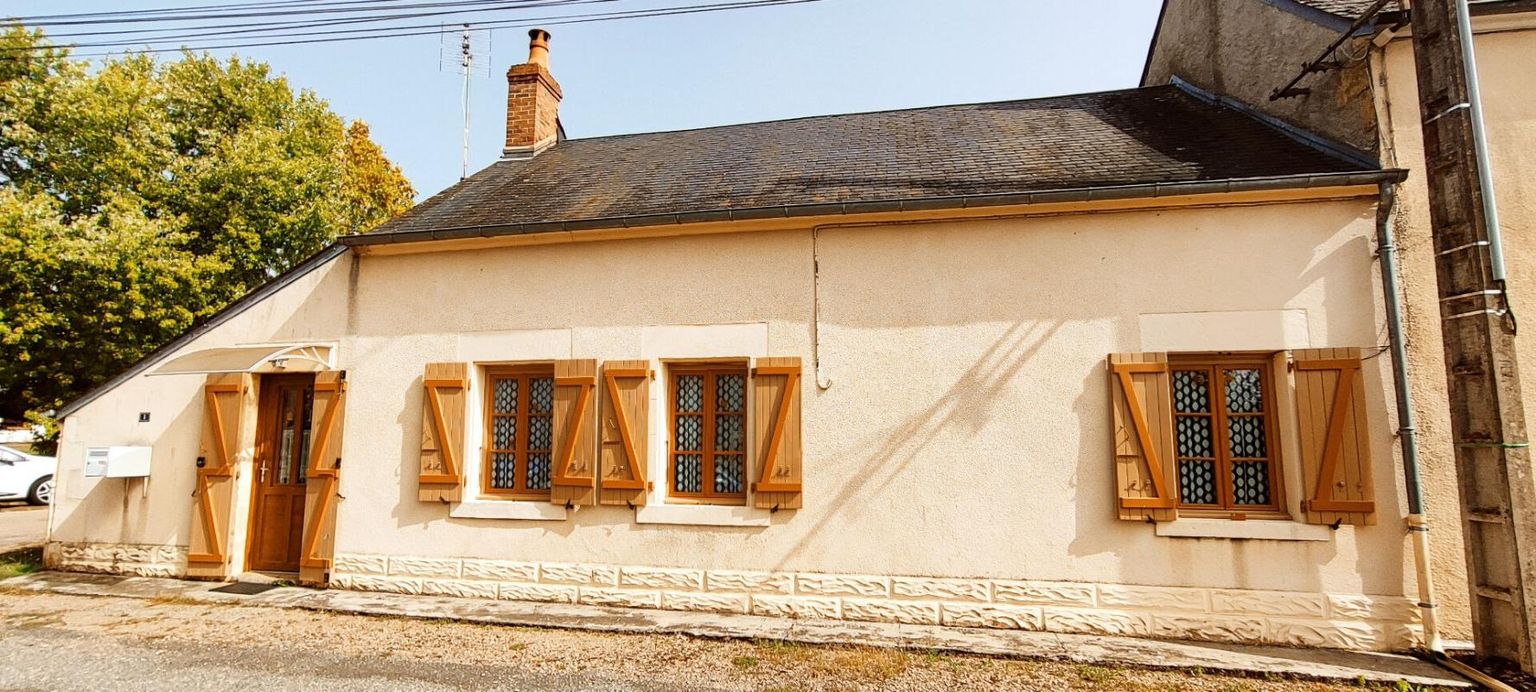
<point>1216,364</point>
<point>523,372</point>
<point>711,370</point>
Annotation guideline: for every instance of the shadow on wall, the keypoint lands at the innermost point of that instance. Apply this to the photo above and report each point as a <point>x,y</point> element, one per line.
<point>967,405</point>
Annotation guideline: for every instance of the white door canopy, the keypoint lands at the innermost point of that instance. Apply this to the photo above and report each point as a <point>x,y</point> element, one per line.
<point>277,358</point>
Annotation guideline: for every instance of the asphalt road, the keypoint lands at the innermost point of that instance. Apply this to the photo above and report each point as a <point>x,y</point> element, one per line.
<point>39,657</point>
<point>22,525</point>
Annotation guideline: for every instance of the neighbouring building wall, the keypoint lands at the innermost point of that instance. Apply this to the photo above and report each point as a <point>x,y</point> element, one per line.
<point>1245,49</point>
<point>958,459</point>
<point>1504,46</point>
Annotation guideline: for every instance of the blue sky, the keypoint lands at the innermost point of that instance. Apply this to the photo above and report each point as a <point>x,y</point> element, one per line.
<point>833,56</point>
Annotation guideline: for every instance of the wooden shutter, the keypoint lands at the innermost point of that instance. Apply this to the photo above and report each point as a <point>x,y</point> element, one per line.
<point>776,427</point>
<point>622,425</point>
<point>323,474</point>
<point>1142,404</point>
<point>225,399</point>
<point>574,480</point>
<point>1335,437</point>
<point>445,397</point>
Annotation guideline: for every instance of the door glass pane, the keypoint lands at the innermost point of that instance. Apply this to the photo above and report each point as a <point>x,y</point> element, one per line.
<point>301,469</point>
<point>287,427</point>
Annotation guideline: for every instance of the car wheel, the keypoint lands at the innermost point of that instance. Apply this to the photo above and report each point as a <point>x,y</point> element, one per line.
<point>41,492</point>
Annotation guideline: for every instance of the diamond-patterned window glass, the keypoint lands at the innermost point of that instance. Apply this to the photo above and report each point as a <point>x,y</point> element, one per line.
<point>1197,482</point>
<point>1250,482</point>
<point>690,394</point>
<point>538,471</point>
<point>504,397</point>
<point>1194,436</point>
<point>728,474</point>
<point>1245,391</point>
<point>690,433</point>
<point>1246,438</point>
<point>688,474</point>
<point>504,432</point>
<point>730,393</point>
<point>539,433</point>
<point>541,394</point>
<point>503,471</point>
<point>728,436</point>
<point>1191,391</point>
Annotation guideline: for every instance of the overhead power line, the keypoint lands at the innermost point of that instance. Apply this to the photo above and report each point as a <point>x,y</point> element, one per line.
<point>291,32</point>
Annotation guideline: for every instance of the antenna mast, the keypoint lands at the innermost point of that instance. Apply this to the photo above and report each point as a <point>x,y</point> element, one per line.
<point>464,57</point>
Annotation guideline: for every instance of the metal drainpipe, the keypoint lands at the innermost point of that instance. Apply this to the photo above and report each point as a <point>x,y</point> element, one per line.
<point>1418,524</point>
<point>1480,145</point>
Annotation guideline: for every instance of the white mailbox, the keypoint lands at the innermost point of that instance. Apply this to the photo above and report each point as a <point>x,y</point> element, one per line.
<point>117,462</point>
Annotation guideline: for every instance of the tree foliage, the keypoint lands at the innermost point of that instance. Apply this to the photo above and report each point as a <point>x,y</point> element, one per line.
<point>138,196</point>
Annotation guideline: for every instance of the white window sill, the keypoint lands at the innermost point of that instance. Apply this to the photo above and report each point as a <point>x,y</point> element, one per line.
<point>1253,529</point>
<point>507,509</point>
<point>701,515</point>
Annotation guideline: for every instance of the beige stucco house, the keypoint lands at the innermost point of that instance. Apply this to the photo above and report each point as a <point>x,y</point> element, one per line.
<point>1096,363</point>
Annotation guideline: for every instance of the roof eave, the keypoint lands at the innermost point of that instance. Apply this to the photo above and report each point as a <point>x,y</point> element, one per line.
<point>956,202</point>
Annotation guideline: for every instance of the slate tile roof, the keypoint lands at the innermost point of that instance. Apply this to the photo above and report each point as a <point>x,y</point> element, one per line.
<point>1158,134</point>
<point>1349,9</point>
<point>1352,9</point>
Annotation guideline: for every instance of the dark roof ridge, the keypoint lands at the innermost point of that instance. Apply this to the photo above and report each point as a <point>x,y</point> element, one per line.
<point>908,109</point>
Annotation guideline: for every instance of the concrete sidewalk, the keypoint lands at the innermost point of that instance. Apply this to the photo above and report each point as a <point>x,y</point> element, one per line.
<point>1113,651</point>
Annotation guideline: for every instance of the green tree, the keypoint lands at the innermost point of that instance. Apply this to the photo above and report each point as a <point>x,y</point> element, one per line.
<point>138,196</point>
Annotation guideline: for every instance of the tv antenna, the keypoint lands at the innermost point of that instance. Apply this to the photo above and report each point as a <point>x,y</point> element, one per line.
<point>467,58</point>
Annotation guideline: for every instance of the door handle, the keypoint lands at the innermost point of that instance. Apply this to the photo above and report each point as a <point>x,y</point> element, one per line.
<point>263,472</point>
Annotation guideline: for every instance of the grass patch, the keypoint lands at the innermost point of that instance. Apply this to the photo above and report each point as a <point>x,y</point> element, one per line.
<point>744,662</point>
<point>19,562</point>
<point>1097,675</point>
<point>864,663</point>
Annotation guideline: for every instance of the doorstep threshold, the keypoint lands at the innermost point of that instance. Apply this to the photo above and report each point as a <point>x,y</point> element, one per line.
<point>1324,664</point>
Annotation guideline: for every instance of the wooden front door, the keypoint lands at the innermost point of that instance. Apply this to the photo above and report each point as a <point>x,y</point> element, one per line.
<point>282,448</point>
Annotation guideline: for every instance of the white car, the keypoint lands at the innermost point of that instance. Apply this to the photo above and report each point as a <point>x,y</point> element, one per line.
<point>26,477</point>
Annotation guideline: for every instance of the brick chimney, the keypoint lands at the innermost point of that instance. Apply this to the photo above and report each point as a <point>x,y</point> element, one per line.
<point>533,102</point>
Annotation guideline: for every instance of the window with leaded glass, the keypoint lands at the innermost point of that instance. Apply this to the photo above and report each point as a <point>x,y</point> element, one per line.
<point>1224,431</point>
<point>519,431</point>
<point>708,420</point>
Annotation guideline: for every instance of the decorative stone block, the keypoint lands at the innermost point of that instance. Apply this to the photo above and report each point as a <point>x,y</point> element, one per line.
<point>1206,627</point>
<point>1332,634</point>
<point>940,589</point>
<point>500,570</point>
<point>460,589</point>
<point>385,584</point>
<point>796,607</point>
<point>1160,597</point>
<point>361,564</point>
<point>1043,593</point>
<point>622,598</point>
<point>1111,622</point>
<point>423,567</point>
<point>1285,603</point>
<point>709,602</point>
<point>842,584</point>
<point>545,593</point>
<point>566,573</point>
<point>881,610</point>
<point>661,578</point>
<point>749,582</point>
<point>1363,607</point>
<point>996,616</point>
